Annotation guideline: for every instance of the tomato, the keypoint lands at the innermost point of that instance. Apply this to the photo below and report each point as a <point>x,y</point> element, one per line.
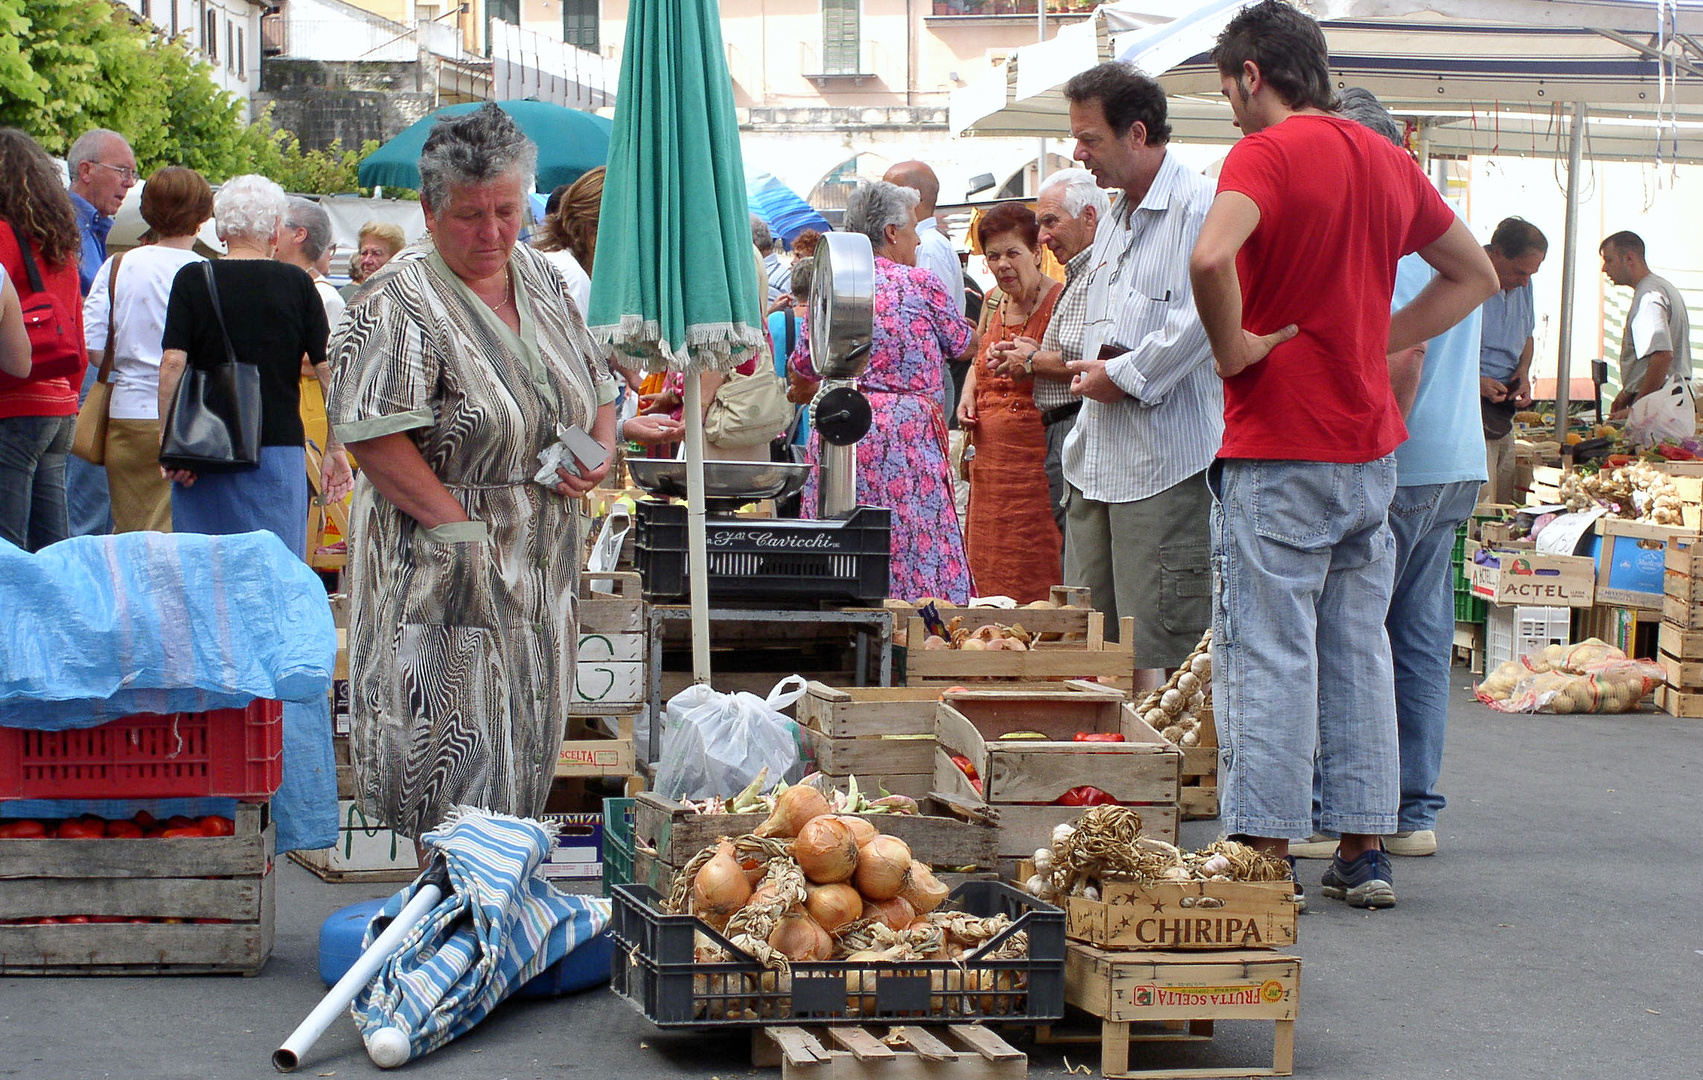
<point>80,920</point>
<point>976,786</point>
<point>80,829</point>
<point>1098,736</point>
<point>214,825</point>
<point>123,830</point>
<point>22,830</point>
<point>1086,795</point>
<point>107,919</point>
<point>144,819</point>
<point>178,821</point>
<point>965,766</point>
<point>184,834</point>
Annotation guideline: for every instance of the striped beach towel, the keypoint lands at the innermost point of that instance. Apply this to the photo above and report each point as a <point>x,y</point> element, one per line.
<point>501,924</point>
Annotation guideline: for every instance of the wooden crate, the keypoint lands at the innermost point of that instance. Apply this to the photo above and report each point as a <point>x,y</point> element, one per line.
<point>589,753</point>
<point>611,674</point>
<point>192,878</point>
<point>1186,915</point>
<point>366,852</point>
<point>904,1052</point>
<point>1197,795</point>
<point>1091,657</point>
<point>1143,997</point>
<point>675,834</point>
<point>885,735</point>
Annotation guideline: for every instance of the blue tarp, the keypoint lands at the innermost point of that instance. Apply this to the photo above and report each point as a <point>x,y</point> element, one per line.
<point>101,627</point>
<point>780,206</point>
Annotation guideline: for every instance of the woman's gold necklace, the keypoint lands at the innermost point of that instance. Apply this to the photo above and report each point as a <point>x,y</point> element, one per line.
<point>508,292</point>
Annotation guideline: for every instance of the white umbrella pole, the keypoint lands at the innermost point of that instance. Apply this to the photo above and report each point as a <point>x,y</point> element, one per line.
<point>288,1056</point>
<point>1569,260</point>
<point>697,555</point>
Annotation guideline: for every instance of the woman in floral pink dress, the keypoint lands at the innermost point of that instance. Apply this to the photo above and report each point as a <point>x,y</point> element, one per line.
<point>902,462</point>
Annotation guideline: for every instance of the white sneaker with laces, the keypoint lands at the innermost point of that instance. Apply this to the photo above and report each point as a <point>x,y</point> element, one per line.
<point>1411,844</point>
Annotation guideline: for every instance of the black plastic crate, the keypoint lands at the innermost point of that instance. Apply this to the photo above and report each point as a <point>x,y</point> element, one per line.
<point>654,969</point>
<point>768,558</point>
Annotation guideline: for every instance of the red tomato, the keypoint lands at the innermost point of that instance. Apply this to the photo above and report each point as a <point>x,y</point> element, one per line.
<point>178,821</point>
<point>1098,736</point>
<point>22,830</point>
<point>214,825</point>
<point>145,819</point>
<point>80,920</point>
<point>80,829</point>
<point>123,830</point>
<point>183,834</point>
<point>1086,795</point>
<point>965,765</point>
<point>107,919</point>
<point>977,786</point>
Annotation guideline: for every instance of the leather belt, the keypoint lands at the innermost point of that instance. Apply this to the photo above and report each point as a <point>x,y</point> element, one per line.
<point>1064,412</point>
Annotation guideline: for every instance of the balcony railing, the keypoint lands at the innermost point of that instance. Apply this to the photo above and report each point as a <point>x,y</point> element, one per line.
<point>947,8</point>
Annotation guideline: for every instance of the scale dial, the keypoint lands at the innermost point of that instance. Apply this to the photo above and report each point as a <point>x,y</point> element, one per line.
<point>842,305</point>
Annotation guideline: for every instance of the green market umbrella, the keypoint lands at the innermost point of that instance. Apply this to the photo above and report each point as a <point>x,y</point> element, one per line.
<point>675,283</point>
<point>570,143</point>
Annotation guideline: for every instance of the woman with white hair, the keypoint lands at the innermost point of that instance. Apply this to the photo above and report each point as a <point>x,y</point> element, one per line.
<point>273,316</point>
<point>901,463</point>
<point>453,372</point>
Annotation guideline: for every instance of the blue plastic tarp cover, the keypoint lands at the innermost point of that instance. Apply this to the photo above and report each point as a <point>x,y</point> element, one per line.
<point>97,628</point>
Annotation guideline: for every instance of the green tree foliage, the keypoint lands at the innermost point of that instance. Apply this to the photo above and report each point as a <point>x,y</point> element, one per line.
<point>70,65</point>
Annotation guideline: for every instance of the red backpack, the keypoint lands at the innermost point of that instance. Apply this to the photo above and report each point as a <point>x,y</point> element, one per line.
<point>56,341</point>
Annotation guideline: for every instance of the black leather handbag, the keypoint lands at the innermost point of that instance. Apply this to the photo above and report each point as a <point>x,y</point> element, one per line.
<point>214,422</point>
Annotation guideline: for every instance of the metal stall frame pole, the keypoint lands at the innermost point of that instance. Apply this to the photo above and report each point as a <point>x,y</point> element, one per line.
<point>697,555</point>
<point>1569,263</point>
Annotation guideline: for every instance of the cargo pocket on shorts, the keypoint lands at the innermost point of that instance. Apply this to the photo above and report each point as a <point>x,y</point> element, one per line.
<point>1185,588</point>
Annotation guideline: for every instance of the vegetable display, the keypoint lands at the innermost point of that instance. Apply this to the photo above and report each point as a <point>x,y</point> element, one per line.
<point>993,637</point>
<point>141,827</point>
<point>1106,844</point>
<point>812,885</point>
<point>1590,677</point>
<point>1638,491</point>
<point>1174,709</point>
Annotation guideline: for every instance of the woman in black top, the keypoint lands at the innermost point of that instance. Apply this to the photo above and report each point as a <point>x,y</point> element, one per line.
<point>274,317</point>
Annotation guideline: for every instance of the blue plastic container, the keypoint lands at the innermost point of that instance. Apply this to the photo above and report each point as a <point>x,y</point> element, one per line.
<point>340,946</point>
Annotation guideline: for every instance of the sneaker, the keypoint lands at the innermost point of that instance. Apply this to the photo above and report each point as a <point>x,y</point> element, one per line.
<point>1300,894</point>
<point>1317,846</point>
<point>1415,844</point>
<point>1364,882</point>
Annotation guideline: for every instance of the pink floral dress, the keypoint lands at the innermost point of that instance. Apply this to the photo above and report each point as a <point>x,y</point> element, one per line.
<point>902,462</point>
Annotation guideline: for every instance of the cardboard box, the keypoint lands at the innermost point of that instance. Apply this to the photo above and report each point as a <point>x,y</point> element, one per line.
<point>578,854</point>
<point>1535,578</point>
<point>1631,562</point>
<point>363,845</point>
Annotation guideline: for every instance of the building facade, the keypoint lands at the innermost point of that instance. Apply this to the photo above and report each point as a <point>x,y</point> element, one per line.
<point>225,33</point>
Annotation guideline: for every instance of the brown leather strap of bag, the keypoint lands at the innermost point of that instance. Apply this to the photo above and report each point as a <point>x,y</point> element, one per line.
<point>111,315</point>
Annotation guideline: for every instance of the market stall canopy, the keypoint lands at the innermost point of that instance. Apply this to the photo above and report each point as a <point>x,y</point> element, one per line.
<point>570,144</point>
<point>784,209</point>
<point>1481,77</point>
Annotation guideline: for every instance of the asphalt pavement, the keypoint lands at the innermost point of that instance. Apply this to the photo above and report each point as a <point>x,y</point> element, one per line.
<point>1558,933</point>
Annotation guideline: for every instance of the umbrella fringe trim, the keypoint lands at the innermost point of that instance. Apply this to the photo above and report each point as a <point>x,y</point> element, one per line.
<point>716,346</point>
<point>457,813</point>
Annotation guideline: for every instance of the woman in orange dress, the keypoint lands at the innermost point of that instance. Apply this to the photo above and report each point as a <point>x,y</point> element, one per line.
<point>1014,543</point>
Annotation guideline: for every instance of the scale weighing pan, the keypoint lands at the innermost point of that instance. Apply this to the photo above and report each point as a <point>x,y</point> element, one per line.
<point>736,481</point>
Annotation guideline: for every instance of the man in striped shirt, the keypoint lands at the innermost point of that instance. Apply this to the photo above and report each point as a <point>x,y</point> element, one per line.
<point>1135,465</point>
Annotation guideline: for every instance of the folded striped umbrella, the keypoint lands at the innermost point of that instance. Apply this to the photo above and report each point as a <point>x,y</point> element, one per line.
<point>499,924</point>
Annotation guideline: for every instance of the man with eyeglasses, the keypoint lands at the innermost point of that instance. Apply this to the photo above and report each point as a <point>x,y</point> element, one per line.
<point>102,170</point>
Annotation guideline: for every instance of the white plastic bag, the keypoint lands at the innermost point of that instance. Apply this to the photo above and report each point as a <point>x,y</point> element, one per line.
<point>1669,413</point>
<point>715,743</point>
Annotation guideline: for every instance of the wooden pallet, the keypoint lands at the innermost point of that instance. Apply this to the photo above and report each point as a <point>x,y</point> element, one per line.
<point>305,860</point>
<point>906,1052</point>
<point>230,877</point>
<point>1148,997</point>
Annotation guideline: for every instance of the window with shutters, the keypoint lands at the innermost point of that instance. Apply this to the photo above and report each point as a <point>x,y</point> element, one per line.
<point>230,45</point>
<point>211,39</point>
<point>840,37</point>
<point>579,24</point>
<point>242,52</point>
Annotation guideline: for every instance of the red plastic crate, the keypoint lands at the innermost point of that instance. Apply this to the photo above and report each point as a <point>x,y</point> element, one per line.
<point>232,753</point>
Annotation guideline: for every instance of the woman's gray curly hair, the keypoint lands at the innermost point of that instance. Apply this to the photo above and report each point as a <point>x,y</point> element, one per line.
<point>876,205</point>
<point>475,148</point>
<point>248,207</point>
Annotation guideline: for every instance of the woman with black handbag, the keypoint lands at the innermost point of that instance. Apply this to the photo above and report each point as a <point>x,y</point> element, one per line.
<point>230,371</point>
<point>38,412</point>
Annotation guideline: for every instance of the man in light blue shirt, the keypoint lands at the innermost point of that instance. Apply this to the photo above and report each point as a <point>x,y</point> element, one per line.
<point>102,170</point>
<point>1439,471</point>
<point>1516,250</point>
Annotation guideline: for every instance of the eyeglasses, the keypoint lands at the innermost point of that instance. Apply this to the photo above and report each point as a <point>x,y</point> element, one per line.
<point>125,172</point>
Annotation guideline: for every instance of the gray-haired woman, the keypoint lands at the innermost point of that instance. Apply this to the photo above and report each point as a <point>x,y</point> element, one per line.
<point>902,463</point>
<point>273,316</point>
<point>454,370</point>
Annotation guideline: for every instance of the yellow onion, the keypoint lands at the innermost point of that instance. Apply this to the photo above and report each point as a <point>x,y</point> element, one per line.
<point>825,850</point>
<point>881,866</point>
<point>720,888</point>
<point>763,896</point>
<point>754,869</point>
<point>860,982</point>
<point>922,889</point>
<point>863,830</point>
<point>832,906</point>
<point>895,913</point>
<point>793,807</point>
<point>798,937</point>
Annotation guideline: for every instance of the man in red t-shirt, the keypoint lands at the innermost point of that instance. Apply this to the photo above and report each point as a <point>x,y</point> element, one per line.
<point>1292,276</point>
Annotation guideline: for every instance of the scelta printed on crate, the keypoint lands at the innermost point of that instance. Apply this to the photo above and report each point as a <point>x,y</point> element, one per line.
<point>1269,992</point>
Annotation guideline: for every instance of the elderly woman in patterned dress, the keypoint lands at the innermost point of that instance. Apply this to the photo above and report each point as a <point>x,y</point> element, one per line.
<point>901,463</point>
<point>452,373</point>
